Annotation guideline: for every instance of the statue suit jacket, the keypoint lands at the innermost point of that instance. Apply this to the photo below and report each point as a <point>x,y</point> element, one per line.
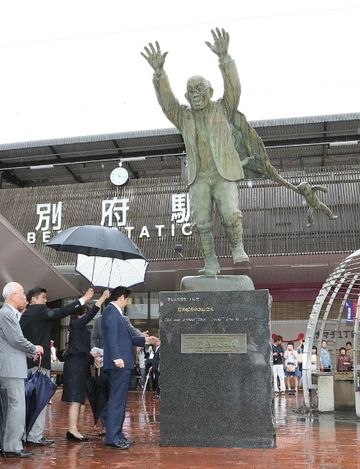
<point>13,345</point>
<point>36,324</point>
<point>221,115</point>
<point>117,340</point>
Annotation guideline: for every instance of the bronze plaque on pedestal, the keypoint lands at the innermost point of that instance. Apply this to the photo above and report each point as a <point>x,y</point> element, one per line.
<point>213,343</point>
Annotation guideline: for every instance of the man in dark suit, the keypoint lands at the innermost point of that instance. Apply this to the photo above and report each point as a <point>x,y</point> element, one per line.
<point>118,363</point>
<point>96,332</point>
<point>13,371</point>
<point>36,324</point>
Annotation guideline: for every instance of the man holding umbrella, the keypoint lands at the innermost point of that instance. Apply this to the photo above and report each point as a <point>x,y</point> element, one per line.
<point>36,324</point>
<point>13,370</point>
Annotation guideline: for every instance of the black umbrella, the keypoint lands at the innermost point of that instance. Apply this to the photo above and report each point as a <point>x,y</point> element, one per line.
<point>97,392</point>
<point>3,413</point>
<point>39,389</point>
<point>93,240</point>
<point>106,256</point>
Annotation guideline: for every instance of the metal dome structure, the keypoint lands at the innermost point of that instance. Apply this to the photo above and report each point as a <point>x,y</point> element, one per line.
<point>339,293</point>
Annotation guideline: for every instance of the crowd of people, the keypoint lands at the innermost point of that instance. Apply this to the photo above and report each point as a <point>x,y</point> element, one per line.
<point>25,320</point>
<point>288,362</point>
<point>25,337</point>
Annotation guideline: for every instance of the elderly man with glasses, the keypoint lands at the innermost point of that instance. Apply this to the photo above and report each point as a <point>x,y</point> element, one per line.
<point>14,349</point>
<point>213,162</point>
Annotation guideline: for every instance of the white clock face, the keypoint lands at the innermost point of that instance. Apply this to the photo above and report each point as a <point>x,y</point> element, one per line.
<point>119,176</point>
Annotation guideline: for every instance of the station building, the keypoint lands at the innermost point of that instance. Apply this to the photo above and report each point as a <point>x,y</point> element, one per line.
<point>50,185</point>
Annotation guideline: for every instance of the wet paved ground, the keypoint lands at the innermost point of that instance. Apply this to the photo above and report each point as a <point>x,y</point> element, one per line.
<point>325,442</point>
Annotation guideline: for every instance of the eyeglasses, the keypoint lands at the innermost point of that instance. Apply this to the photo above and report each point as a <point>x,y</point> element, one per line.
<point>197,90</point>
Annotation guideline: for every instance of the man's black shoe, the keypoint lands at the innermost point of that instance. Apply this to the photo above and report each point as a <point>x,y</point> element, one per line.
<point>127,441</point>
<point>17,454</point>
<point>42,442</point>
<point>120,445</point>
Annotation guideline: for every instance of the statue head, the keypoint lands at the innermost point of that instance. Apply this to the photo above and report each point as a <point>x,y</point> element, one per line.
<point>303,187</point>
<point>198,92</point>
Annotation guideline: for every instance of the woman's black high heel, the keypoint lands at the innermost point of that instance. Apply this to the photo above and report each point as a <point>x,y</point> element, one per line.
<point>71,437</point>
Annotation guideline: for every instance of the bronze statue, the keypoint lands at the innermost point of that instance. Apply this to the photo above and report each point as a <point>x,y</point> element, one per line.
<point>221,149</point>
<point>213,162</point>
<point>252,152</point>
<point>309,193</point>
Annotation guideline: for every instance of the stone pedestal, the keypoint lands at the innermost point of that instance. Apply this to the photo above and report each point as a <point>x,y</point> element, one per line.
<point>326,392</point>
<point>344,393</point>
<point>219,283</point>
<point>357,403</point>
<point>216,369</point>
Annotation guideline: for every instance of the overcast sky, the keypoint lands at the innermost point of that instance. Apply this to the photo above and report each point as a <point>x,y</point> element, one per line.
<point>73,67</point>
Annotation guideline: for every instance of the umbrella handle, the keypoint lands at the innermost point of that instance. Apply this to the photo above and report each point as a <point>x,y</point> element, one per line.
<point>39,365</point>
<point>92,276</point>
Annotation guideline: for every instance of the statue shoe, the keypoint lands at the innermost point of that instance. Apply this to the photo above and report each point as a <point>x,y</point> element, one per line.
<point>239,255</point>
<point>211,269</point>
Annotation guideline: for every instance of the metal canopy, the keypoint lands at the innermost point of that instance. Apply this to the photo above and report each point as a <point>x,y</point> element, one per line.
<point>291,143</point>
<point>20,262</point>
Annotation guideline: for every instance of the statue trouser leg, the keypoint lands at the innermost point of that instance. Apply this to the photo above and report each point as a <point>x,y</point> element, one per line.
<point>310,217</point>
<point>227,199</point>
<point>234,232</point>
<point>206,244</point>
<point>202,205</point>
<point>327,211</point>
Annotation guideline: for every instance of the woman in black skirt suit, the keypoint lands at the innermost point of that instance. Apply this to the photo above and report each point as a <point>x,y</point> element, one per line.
<point>77,366</point>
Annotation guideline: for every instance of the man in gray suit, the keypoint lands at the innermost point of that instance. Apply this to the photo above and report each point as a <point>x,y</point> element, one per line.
<point>13,368</point>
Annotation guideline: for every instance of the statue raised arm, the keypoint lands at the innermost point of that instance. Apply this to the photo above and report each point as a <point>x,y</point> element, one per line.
<point>221,43</point>
<point>155,57</point>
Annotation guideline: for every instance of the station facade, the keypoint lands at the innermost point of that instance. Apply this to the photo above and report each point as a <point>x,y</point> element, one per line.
<point>152,208</point>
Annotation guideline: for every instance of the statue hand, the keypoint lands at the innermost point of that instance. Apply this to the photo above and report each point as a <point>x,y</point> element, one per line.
<point>154,56</point>
<point>248,160</point>
<point>221,42</point>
